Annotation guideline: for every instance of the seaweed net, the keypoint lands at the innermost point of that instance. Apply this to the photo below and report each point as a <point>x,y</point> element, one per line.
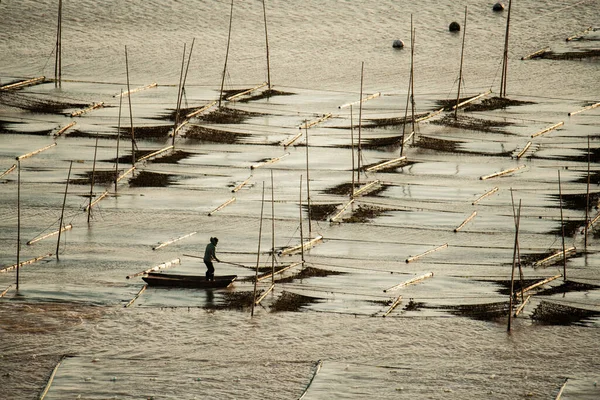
<point>484,312</point>
<point>289,301</point>
<point>560,314</point>
<point>36,104</point>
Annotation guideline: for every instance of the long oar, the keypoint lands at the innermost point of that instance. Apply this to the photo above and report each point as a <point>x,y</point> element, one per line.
<point>224,262</point>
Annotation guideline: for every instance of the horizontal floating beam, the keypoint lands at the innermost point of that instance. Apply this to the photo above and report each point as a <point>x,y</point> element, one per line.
<point>366,188</point>
<point>472,99</point>
<point>130,170</point>
<point>150,86</point>
<point>8,171</point>
<point>411,259</point>
<point>245,92</point>
<point>585,109</point>
<point>555,255</point>
<point>469,218</point>
<point>64,228</point>
<point>64,128</point>
<point>157,152</point>
<point>524,150</point>
<point>550,128</point>
<point>201,110</point>
<point>292,140</point>
<point>306,245</point>
<point>410,281</point>
<point>540,283</point>
<point>316,121</point>
<point>269,161</point>
<point>386,164</point>
<point>11,267</point>
<point>93,203</point>
<point>394,305</point>
<point>90,108</point>
<point>136,296</point>
<point>29,82</point>
<point>33,153</point>
<point>241,185</point>
<point>535,54</point>
<point>228,202</point>
<point>339,213</point>
<point>165,265</point>
<point>430,115</point>
<point>5,291</point>
<point>173,241</point>
<point>486,194</point>
<point>522,306</point>
<point>507,171</point>
<point>370,97</point>
<point>279,271</point>
<point>257,302</point>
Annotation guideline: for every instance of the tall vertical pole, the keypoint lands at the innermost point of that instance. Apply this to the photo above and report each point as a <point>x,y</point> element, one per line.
<point>587,198</point>
<point>58,50</point>
<point>562,226</point>
<point>362,68</point>
<point>505,55</point>
<point>267,45</point>
<point>412,76</point>
<point>308,184</point>
<point>18,219</point>
<point>118,140</point>
<point>262,207</point>
<point>352,150</point>
<point>178,96</point>
<point>226,55</point>
<point>301,233</point>
<point>62,213</point>
<point>462,52</point>
<point>512,276</point>
<point>92,180</point>
<point>408,94</point>
<point>130,112</point>
<point>272,230</point>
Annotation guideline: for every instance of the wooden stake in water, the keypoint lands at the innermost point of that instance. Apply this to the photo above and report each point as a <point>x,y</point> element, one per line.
<point>178,95</point>
<point>18,219</point>
<point>512,275</point>
<point>362,68</point>
<point>118,140</point>
<point>462,52</point>
<point>58,49</point>
<point>262,207</point>
<point>89,210</point>
<point>352,150</point>
<point>130,112</point>
<point>301,234</point>
<point>62,213</point>
<point>267,46</point>
<point>562,226</point>
<point>308,187</point>
<point>226,55</point>
<point>272,225</point>
<point>408,92</point>
<point>587,198</point>
<point>505,55</point>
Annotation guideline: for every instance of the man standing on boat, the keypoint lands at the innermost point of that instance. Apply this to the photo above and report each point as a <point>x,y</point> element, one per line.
<point>209,255</point>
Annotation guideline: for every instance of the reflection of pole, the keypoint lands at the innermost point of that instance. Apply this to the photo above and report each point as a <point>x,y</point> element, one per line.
<point>505,55</point>
<point>562,225</point>
<point>92,181</point>
<point>178,96</point>
<point>60,226</point>
<point>301,234</point>
<point>512,276</point>
<point>360,118</point>
<point>352,149</point>
<point>262,206</point>
<point>272,230</point>
<point>587,198</point>
<point>413,34</point>
<point>308,184</point>
<point>130,112</point>
<point>18,219</point>
<point>226,55</point>
<point>267,44</point>
<point>462,52</point>
<point>118,140</point>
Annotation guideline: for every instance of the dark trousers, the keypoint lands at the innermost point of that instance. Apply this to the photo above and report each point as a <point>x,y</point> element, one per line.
<point>210,271</point>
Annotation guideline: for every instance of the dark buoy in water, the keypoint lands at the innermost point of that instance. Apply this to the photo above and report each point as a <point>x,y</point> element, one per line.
<point>498,7</point>
<point>398,44</point>
<point>454,27</point>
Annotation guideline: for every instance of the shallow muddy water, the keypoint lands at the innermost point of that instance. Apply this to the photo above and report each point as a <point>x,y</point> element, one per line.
<point>446,338</point>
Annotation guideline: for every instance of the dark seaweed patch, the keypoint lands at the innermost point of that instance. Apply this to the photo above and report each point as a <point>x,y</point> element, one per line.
<point>449,103</point>
<point>505,285</point>
<point>289,301</point>
<point>475,124</point>
<point>494,103</point>
<point>567,287</point>
<point>572,227</point>
<point>345,189</point>
<point>147,132</point>
<point>569,55</point>
<point>36,104</point>
<point>391,168</point>
<point>225,115</point>
<point>576,201</point>
<point>151,179</point>
<point>309,272</point>
<point>484,312</point>
<point>413,305</point>
<point>387,122</point>
<point>172,158</point>
<point>438,144</point>
<point>236,300</point>
<point>559,314</point>
<point>267,94</point>
<point>100,177</point>
<point>321,212</point>
<point>213,135</point>
<point>365,213</point>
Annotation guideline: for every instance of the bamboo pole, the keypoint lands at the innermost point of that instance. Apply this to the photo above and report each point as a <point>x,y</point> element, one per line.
<point>535,54</point>
<point>257,302</point>
<point>267,46</point>
<point>226,56</point>
<point>306,245</point>
<point>592,222</point>
<point>317,369</point>
<point>359,149</point>
<point>587,198</point>
<point>158,267</point>
<point>292,140</point>
<point>8,171</point>
<point>386,164</point>
<point>504,76</point>
<point>366,188</point>
<point>279,271</point>
<point>563,253</point>
<point>486,194</point>
<point>89,207</point>
<point>127,93</point>
<point>178,102</point>
<point>562,226</point>
<point>157,152</point>
<point>118,141</point>
<point>18,221</point>
<point>51,379</point>
<point>367,98</point>
<point>272,225</point>
<point>550,128</point>
<point>63,229</point>
<point>412,78</point>
<point>514,262</point>
<point>62,212</point>
<point>411,259</point>
<point>269,161</point>
<point>430,115</point>
<point>136,296</point>
<point>562,388</point>
<point>5,291</point>
<point>308,188</point>
<point>28,82</point>
<point>21,264</point>
<point>262,207</point>
<point>245,92</point>
<point>228,202</point>
<point>521,306</point>
<point>58,49</point>
<point>472,99</point>
<point>160,246</point>
<point>133,145</point>
<point>394,305</point>
<point>180,98</point>
<point>524,150</point>
<point>125,174</point>
<point>241,185</point>
<point>408,92</point>
<point>88,109</point>
<point>469,218</point>
<point>316,121</point>
<point>64,128</point>
<point>33,153</point>
<point>201,110</point>
<point>352,151</point>
<point>337,215</point>
<point>462,51</point>
<point>585,109</point>
<point>578,35</point>
<point>540,283</point>
<point>410,281</point>
<point>301,224</point>
<point>507,171</point>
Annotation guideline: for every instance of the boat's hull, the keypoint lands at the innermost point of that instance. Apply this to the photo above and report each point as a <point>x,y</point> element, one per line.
<point>188,281</point>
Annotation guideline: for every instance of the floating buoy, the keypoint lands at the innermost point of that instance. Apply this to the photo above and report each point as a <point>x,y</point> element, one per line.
<point>454,27</point>
<point>398,44</point>
<point>498,7</point>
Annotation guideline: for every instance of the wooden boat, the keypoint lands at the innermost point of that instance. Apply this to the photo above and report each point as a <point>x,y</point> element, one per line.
<point>188,281</point>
